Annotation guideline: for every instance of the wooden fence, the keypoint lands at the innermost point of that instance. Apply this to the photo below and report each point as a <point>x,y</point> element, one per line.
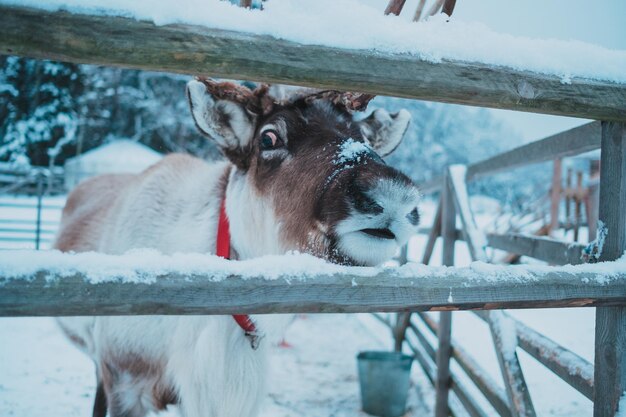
<point>191,49</point>
<point>610,322</point>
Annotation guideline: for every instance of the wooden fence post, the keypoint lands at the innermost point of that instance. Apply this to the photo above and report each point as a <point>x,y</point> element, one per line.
<point>610,354</point>
<point>555,196</point>
<point>444,351</point>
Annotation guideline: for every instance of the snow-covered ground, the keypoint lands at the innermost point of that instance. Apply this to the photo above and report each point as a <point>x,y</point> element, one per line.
<point>42,375</point>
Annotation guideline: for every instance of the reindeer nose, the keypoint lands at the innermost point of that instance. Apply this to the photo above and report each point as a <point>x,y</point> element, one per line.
<point>413,217</point>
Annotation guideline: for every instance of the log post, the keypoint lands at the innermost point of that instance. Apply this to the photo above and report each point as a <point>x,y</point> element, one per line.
<point>555,196</point>
<point>610,349</point>
<point>577,204</point>
<point>444,351</point>
<point>568,200</point>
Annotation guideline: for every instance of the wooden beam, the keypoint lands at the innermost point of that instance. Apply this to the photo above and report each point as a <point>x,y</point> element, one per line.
<point>487,386</point>
<point>570,367</point>
<point>124,42</point>
<point>571,142</point>
<point>434,233</point>
<point>555,194</point>
<point>47,294</point>
<point>610,353</point>
<point>468,401</point>
<point>444,334</point>
<point>473,236</point>
<point>543,248</point>
<point>519,397</point>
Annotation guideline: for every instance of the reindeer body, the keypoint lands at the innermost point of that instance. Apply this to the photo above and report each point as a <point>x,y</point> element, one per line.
<point>145,363</point>
<point>301,176</point>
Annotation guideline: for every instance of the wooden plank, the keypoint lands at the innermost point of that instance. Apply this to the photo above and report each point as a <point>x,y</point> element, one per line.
<point>118,41</point>
<point>386,290</point>
<point>434,233</point>
<point>444,350</point>
<point>482,380</point>
<point>516,389</point>
<point>399,330</point>
<point>472,408</point>
<point>555,194</point>
<point>570,367</point>
<point>475,239</point>
<point>543,248</point>
<point>610,353</point>
<point>428,366</point>
<point>571,142</point>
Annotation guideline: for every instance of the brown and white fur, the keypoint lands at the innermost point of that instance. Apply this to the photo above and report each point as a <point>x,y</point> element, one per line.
<point>301,174</point>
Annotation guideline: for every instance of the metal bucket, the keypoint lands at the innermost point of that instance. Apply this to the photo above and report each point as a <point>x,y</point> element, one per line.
<point>384,379</point>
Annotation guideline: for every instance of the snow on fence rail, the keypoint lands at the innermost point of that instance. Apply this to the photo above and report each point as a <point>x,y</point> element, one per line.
<point>126,42</point>
<point>55,284</point>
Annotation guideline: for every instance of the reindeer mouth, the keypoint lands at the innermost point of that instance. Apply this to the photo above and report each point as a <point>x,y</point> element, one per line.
<point>380,233</point>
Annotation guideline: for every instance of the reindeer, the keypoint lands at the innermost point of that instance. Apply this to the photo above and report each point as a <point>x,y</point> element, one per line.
<point>301,174</point>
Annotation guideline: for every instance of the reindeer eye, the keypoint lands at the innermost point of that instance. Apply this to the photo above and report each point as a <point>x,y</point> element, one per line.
<point>270,140</point>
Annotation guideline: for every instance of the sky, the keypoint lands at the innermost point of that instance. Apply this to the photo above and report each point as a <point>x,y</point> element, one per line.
<point>601,22</point>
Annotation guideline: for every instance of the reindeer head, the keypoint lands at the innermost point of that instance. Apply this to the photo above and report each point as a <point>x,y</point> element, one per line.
<point>317,169</point>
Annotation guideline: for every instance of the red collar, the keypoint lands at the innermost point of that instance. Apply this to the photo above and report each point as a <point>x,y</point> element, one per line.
<point>223,250</point>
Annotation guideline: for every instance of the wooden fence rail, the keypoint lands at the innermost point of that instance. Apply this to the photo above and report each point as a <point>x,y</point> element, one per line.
<point>119,41</point>
<point>47,294</point>
<point>571,142</point>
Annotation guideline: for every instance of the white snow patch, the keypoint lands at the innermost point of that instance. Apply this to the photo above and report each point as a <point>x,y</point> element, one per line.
<point>593,251</point>
<point>351,151</point>
<point>144,265</point>
<point>621,407</point>
<point>508,333</point>
<point>353,24</point>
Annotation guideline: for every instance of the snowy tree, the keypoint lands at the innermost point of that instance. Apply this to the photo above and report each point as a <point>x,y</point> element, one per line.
<point>39,114</point>
<point>444,134</point>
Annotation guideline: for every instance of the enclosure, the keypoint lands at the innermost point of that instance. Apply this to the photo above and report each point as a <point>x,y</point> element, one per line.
<point>598,279</point>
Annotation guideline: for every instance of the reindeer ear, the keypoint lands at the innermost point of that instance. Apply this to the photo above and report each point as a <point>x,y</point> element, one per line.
<point>225,121</point>
<point>385,131</point>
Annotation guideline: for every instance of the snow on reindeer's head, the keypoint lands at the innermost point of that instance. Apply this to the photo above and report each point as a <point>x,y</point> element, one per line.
<point>315,167</point>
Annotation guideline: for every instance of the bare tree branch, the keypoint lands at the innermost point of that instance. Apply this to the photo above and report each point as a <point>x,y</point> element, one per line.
<point>394,7</point>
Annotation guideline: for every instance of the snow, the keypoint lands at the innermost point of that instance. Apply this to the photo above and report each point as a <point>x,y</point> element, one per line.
<point>317,377</point>
<point>508,333</point>
<point>621,407</point>
<point>351,151</point>
<point>117,156</point>
<point>144,265</point>
<point>593,251</point>
<point>352,24</point>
